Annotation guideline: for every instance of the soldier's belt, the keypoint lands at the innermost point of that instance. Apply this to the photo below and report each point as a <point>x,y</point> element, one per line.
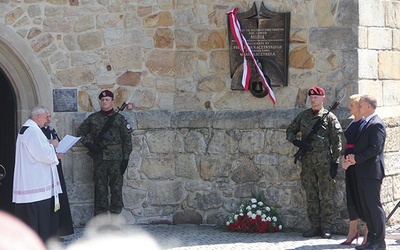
<point>118,146</point>
<point>317,150</point>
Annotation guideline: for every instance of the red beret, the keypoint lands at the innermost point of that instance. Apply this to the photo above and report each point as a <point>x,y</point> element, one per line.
<point>315,90</point>
<point>105,93</point>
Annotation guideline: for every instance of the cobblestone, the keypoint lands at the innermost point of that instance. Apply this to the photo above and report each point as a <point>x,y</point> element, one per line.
<point>199,237</point>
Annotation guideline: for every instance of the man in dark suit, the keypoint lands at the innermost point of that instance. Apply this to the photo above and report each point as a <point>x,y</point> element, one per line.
<point>370,171</point>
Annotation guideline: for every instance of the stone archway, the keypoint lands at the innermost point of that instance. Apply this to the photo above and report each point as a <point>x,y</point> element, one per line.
<point>25,72</point>
<point>23,84</point>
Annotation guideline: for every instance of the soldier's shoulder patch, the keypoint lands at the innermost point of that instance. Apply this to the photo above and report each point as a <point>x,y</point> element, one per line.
<point>334,117</point>
<point>337,125</point>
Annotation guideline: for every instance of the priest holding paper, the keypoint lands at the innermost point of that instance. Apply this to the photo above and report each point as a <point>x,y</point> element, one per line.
<point>36,186</point>
<point>65,219</point>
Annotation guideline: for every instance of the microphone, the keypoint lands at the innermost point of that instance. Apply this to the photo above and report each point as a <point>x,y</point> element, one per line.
<point>53,133</point>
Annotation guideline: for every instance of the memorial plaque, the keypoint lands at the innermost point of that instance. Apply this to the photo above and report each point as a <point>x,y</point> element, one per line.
<point>65,100</point>
<point>267,34</point>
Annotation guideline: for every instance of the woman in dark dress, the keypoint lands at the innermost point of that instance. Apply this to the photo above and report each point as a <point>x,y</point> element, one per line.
<point>353,200</point>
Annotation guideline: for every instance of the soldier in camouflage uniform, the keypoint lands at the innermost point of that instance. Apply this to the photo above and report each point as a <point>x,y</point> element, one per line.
<point>110,156</point>
<point>320,159</point>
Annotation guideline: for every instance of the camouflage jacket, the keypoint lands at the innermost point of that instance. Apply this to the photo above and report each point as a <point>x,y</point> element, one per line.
<point>117,140</point>
<point>324,139</point>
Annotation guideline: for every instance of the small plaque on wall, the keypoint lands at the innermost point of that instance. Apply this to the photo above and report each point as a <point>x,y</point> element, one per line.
<point>65,100</point>
<point>267,34</point>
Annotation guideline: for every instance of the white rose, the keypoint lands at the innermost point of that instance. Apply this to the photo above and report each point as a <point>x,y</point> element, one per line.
<point>253,200</point>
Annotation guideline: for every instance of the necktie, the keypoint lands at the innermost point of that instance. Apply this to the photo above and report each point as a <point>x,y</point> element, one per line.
<point>362,125</point>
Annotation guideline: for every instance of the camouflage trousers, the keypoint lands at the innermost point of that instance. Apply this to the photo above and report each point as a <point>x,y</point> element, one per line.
<point>107,177</point>
<point>319,188</point>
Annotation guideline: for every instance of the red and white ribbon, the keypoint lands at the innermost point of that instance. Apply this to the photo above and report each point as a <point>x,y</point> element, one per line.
<point>243,45</point>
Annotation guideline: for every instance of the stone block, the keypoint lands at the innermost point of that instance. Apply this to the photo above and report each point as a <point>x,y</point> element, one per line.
<point>392,14</point>
<point>167,193</point>
<point>236,119</point>
<point>161,62</point>
<point>222,143</point>
<point>183,39</point>
<point>133,198</point>
<point>380,38</point>
<point>362,37</point>
<point>90,40</point>
<point>213,166</point>
<point>219,61</point>
<point>392,166</point>
<point>332,38</point>
<point>209,200</point>
<point>163,18</point>
<point>387,190</point>
<point>300,58</point>
<point>184,17</point>
<point>164,38</point>
<point>371,13</point>
<point>252,142</point>
<point>186,166</point>
<point>121,57</point>
<point>392,143</point>
<point>159,167</point>
<point>389,63</point>
<point>82,167</point>
<point>192,119</point>
<point>372,87</point>
<point>243,170</point>
<point>113,36</point>
<point>155,119</point>
<point>187,217</point>
<point>195,143</point>
<point>368,64</point>
<point>396,188</point>
<point>81,193</point>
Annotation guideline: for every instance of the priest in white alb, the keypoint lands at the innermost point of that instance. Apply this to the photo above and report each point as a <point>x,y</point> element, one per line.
<point>36,182</point>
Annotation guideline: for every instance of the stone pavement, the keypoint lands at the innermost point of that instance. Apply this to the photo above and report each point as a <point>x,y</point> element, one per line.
<point>205,237</point>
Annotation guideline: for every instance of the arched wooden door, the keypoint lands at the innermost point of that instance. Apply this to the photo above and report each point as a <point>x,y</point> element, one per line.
<point>8,128</point>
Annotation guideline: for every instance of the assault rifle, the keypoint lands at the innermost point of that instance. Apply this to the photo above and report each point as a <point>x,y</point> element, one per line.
<point>318,125</point>
<point>98,140</point>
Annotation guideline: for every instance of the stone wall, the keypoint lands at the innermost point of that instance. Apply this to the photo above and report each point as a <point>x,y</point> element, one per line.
<point>199,147</point>
<point>196,166</point>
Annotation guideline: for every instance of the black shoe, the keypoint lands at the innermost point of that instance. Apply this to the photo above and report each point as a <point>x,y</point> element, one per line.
<point>326,234</point>
<point>315,231</point>
<point>361,247</point>
<point>376,246</point>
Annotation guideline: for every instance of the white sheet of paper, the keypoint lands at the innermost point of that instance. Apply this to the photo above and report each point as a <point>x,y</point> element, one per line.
<point>66,143</point>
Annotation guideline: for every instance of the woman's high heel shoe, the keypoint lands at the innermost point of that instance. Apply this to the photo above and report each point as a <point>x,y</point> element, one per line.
<point>350,241</point>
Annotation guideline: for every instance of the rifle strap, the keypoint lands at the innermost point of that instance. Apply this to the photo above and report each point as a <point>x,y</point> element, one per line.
<point>105,127</point>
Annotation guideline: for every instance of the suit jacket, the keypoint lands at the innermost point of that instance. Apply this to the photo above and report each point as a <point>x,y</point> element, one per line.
<point>368,150</point>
